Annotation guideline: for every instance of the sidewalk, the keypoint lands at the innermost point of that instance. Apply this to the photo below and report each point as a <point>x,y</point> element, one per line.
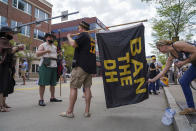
<point>189,121</point>
<point>26,115</point>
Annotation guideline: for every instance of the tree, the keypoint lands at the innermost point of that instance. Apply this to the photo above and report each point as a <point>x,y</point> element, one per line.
<point>68,53</point>
<point>27,53</point>
<point>174,16</point>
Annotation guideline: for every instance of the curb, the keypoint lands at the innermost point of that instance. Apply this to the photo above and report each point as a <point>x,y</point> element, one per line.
<point>181,123</point>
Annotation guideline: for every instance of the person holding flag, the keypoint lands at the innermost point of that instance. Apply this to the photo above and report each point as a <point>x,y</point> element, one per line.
<point>84,65</point>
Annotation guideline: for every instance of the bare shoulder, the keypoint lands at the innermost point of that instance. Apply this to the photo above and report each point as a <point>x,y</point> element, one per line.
<point>183,46</point>
<point>180,43</point>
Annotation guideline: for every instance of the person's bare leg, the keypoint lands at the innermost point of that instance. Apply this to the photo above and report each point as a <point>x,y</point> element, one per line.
<point>52,91</point>
<point>72,100</point>
<point>23,77</point>
<point>4,99</point>
<point>2,108</point>
<point>87,99</point>
<point>1,100</point>
<point>41,92</point>
<point>4,103</point>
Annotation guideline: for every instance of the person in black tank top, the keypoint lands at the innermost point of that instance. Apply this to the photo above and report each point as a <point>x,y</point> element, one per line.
<point>185,53</point>
<point>84,65</point>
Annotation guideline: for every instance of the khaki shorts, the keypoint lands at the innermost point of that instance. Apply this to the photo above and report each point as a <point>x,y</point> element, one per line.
<point>79,77</point>
<point>23,73</point>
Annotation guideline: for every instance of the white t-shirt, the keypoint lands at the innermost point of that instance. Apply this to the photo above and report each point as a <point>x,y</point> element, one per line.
<point>52,54</point>
<point>158,64</point>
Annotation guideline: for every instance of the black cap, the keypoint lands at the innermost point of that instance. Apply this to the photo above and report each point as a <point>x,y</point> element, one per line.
<point>85,25</point>
<point>6,29</point>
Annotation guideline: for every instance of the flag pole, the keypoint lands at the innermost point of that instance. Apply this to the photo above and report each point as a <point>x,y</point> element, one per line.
<point>60,85</point>
<point>91,31</point>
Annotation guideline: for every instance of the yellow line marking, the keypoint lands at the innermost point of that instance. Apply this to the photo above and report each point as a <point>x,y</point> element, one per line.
<point>33,88</point>
<point>57,86</point>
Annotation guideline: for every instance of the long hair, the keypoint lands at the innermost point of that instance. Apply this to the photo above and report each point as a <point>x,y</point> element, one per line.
<point>164,42</point>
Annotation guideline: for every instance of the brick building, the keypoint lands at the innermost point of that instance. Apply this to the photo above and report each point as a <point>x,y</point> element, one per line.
<point>72,27</point>
<point>16,12</point>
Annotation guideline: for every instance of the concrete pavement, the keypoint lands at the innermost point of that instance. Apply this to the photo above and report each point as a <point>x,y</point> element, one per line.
<point>177,93</point>
<point>26,115</point>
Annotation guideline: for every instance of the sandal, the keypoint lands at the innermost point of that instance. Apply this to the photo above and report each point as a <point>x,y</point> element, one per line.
<point>6,106</point>
<point>187,111</point>
<point>3,109</point>
<point>68,115</point>
<point>87,114</point>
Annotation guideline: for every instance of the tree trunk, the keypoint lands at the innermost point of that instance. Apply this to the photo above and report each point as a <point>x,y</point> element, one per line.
<point>174,39</point>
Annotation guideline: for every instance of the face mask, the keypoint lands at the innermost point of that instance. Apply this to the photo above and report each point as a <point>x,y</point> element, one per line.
<point>50,41</point>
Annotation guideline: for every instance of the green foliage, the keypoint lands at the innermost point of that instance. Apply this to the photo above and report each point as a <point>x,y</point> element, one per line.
<point>175,18</point>
<point>68,54</point>
<point>55,43</point>
<point>12,42</point>
<point>162,58</point>
<point>27,52</point>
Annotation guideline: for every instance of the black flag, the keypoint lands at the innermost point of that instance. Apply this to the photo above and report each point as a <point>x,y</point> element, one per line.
<point>124,66</point>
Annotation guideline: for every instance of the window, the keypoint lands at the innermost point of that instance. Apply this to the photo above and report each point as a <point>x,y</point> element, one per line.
<point>36,13</point>
<point>29,8</point>
<point>92,26</point>
<point>3,21</point>
<point>22,5</point>
<point>5,1</point>
<point>35,68</point>
<point>40,15</point>
<point>68,29</point>
<point>24,30</point>
<point>15,23</point>
<point>14,3</point>
<point>34,48</point>
<point>55,31</point>
<point>38,34</point>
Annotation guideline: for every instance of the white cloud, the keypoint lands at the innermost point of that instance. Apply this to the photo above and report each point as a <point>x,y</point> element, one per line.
<point>110,12</point>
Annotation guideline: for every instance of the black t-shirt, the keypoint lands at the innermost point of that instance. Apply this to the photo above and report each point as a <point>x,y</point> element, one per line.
<point>153,72</point>
<point>84,55</point>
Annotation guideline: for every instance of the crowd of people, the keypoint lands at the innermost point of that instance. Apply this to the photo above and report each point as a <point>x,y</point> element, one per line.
<point>84,65</point>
